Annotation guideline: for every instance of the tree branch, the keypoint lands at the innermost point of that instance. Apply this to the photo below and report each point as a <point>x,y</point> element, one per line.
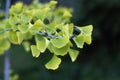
<point>7,55</point>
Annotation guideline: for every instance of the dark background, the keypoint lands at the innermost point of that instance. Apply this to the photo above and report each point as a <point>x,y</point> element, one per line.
<point>98,61</point>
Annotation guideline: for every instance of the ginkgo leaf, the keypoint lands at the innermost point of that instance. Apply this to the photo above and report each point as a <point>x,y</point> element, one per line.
<point>20,37</point>
<point>16,8</point>
<point>61,51</point>
<point>67,14</point>
<point>4,44</point>
<point>50,47</point>
<point>59,43</point>
<point>13,20</point>
<point>23,28</point>
<point>53,63</point>
<point>41,42</point>
<point>88,39</point>
<point>53,3</point>
<point>79,40</point>
<point>35,51</point>
<point>26,45</point>
<point>39,23</point>
<point>73,54</point>
<point>87,30</point>
<point>12,36</point>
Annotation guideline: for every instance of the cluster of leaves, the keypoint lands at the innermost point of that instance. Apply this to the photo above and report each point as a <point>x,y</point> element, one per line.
<point>50,27</point>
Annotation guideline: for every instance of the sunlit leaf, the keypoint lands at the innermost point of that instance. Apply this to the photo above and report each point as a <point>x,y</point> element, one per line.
<point>53,3</point>
<point>35,51</point>
<point>60,42</point>
<point>23,28</point>
<point>60,51</point>
<point>87,30</point>
<point>39,23</point>
<point>67,14</point>
<point>26,45</point>
<point>12,36</point>
<point>73,54</point>
<point>16,8</point>
<point>53,63</point>
<point>41,43</point>
<point>4,44</point>
<point>88,39</point>
<point>20,37</point>
<point>79,40</point>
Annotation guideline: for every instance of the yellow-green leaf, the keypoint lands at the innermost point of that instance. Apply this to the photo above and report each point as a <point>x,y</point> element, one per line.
<point>67,14</point>
<point>59,43</point>
<point>88,39</point>
<point>12,36</point>
<point>20,37</point>
<point>39,23</point>
<point>41,42</point>
<point>53,63</point>
<point>4,44</point>
<point>26,45</point>
<point>87,30</point>
<point>73,54</point>
<point>79,40</point>
<point>35,51</point>
<point>23,28</point>
<point>61,51</point>
<point>53,3</point>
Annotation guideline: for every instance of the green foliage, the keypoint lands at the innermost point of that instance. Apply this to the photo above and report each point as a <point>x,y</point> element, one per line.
<point>28,21</point>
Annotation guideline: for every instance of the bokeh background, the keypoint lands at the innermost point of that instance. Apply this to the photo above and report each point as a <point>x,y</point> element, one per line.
<point>99,61</point>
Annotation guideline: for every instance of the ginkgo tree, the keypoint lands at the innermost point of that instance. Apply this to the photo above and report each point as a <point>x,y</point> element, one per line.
<point>49,26</point>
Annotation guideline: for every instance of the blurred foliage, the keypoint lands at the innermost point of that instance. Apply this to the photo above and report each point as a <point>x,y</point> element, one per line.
<point>100,61</point>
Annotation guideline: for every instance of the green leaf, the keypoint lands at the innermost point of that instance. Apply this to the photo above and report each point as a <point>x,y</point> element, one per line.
<point>23,28</point>
<point>35,51</point>
<point>39,23</point>
<point>71,28</point>
<point>13,20</point>
<point>50,47</point>
<point>4,45</point>
<point>53,3</point>
<point>41,43</point>
<point>12,36</point>
<point>73,54</point>
<point>20,37</point>
<point>3,35</point>
<point>87,30</point>
<point>53,63</point>
<point>16,8</point>
<point>88,39</point>
<point>61,51</point>
<point>67,14</point>
<point>27,36</point>
<point>79,40</point>
<point>59,43</point>
<point>35,29</point>
<point>26,45</point>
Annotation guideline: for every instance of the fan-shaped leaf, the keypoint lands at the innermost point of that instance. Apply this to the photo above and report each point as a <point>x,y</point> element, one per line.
<point>23,28</point>
<point>41,42</point>
<point>20,37</point>
<point>12,37</point>
<point>88,39</point>
<point>59,43</point>
<point>61,51</point>
<point>26,45</point>
<point>79,40</point>
<point>87,30</point>
<point>35,51</point>
<point>53,63</point>
<point>73,54</point>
